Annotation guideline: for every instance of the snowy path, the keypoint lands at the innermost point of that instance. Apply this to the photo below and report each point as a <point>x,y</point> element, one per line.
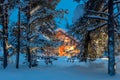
<point>60,70</point>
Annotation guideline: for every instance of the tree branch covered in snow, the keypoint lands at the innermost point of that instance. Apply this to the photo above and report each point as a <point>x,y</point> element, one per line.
<point>92,22</point>
<point>96,17</point>
<point>97,12</point>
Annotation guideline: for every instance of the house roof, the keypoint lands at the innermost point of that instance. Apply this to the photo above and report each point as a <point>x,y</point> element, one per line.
<point>60,32</point>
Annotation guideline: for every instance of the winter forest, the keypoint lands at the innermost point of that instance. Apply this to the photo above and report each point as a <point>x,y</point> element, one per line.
<point>60,39</point>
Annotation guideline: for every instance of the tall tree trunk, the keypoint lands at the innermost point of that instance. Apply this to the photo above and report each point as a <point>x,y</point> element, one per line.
<point>5,33</point>
<point>118,19</point>
<point>111,62</point>
<point>18,41</point>
<point>86,42</point>
<point>28,36</point>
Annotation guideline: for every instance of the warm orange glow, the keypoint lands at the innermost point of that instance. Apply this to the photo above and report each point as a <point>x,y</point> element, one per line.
<point>70,49</point>
<point>62,51</point>
<point>66,40</point>
<point>66,49</point>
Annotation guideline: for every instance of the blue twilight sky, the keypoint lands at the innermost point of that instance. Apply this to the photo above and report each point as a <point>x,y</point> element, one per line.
<point>70,6</point>
<point>75,11</point>
<point>13,17</point>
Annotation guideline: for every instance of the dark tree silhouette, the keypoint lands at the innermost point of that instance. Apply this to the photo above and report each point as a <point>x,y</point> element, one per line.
<point>18,41</point>
<point>111,56</point>
<point>5,30</point>
<point>28,34</point>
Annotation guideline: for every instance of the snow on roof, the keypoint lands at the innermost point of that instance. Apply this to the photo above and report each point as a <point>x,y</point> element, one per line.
<point>64,33</point>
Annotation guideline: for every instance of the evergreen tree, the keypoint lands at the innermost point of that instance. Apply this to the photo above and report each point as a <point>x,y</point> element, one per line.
<point>37,19</point>
<point>100,37</point>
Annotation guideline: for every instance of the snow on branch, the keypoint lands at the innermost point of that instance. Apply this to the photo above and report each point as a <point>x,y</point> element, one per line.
<point>35,9</point>
<point>116,2</point>
<point>49,12</point>
<point>117,30</point>
<point>116,15</point>
<point>6,2</point>
<point>96,17</point>
<point>96,27</point>
<point>95,12</point>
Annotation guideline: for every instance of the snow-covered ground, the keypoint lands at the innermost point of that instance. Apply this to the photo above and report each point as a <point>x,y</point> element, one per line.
<point>60,70</point>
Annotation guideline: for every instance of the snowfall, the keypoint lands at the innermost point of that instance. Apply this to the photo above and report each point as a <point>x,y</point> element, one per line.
<point>61,70</point>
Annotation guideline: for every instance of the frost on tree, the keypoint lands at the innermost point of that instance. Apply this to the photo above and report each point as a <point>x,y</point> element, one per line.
<point>36,19</point>
<point>93,25</point>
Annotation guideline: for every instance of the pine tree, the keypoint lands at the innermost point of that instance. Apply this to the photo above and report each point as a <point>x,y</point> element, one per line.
<point>37,19</point>
<point>85,27</point>
<point>97,14</point>
<point>42,22</point>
